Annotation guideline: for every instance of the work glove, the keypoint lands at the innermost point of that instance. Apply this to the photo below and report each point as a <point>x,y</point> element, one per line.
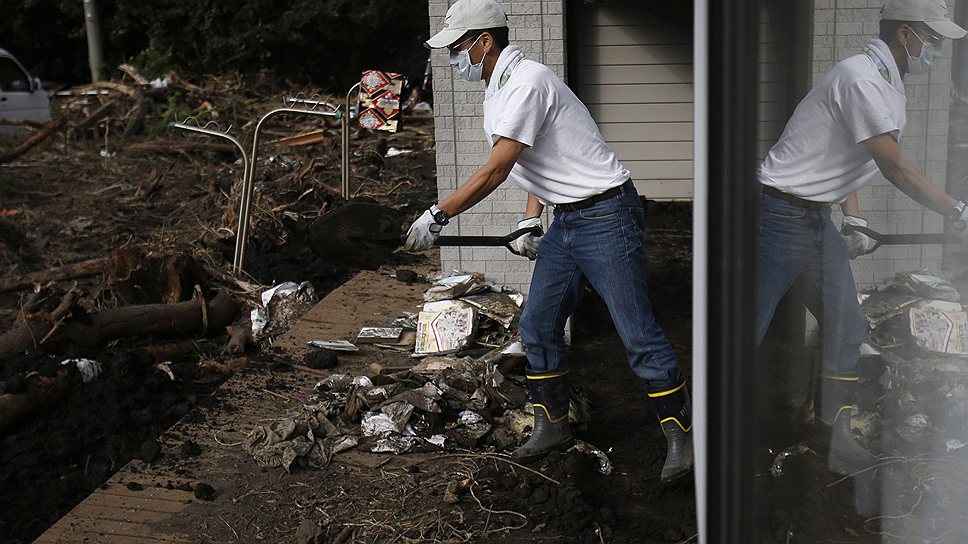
<point>423,233</point>
<point>527,245</point>
<point>857,243</point>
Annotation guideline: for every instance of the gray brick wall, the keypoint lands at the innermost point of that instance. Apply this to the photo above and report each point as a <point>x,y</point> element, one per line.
<point>538,28</point>
<point>842,27</point>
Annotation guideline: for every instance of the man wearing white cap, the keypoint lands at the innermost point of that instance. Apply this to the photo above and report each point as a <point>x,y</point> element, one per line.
<point>543,138</point>
<point>839,138</point>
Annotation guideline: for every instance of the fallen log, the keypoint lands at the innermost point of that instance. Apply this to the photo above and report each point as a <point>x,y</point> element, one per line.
<point>192,318</point>
<point>40,136</point>
<point>42,391</point>
<point>240,337</point>
<point>82,269</point>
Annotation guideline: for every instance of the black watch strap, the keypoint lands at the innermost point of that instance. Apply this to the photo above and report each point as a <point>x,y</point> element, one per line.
<point>440,216</point>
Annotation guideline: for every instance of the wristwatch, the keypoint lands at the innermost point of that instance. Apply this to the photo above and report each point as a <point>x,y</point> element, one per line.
<point>441,217</point>
<point>954,213</point>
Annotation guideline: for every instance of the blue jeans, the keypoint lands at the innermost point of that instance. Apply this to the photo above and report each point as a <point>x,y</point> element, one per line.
<point>803,247</point>
<point>602,245</point>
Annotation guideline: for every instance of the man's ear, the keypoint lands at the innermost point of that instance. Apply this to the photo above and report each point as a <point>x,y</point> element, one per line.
<point>487,41</point>
<point>903,35</point>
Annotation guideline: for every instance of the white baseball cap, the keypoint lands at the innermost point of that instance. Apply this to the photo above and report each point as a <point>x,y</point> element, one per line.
<point>468,15</point>
<point>933,13</point>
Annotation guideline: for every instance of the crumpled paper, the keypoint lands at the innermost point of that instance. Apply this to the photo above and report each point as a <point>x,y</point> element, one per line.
<point>88,368</point>
<point>308,437</point>
<point>282,305</point>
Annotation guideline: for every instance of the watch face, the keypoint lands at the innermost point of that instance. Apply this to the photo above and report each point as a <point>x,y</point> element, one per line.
<point>441,217</point>
<point>955,213</point>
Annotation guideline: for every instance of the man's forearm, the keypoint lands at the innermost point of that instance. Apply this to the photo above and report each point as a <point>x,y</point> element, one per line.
<point>850,206</point>
<point>481,183</point>
<point>534,207</point>
<point>909,180</point>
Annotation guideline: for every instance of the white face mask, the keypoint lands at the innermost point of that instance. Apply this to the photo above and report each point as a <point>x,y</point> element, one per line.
<point>922,63</point>
<point>462,60</point>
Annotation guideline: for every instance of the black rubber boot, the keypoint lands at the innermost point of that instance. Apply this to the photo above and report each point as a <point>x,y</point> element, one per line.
<point>674,409</point>
<point>549,396</point>
<point>832,430</point>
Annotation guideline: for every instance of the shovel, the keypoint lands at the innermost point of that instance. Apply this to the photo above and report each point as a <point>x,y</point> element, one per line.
<point>488,241</point>
<point>903,239</point>
<point>363,234</point>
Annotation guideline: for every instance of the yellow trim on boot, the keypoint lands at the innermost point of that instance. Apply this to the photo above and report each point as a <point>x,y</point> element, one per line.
<point>661,421</point>
<point>850,407</point>
<point>669,392</point>
<point>843,378</point>
<point>545,376</point>
<point>548,414</point>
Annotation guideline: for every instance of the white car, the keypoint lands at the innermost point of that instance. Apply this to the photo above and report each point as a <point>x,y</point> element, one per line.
<point>21,96</point>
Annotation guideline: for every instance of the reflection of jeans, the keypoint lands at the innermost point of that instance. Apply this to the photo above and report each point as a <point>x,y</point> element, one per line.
<point>802,246</point>
<point>601,245</point>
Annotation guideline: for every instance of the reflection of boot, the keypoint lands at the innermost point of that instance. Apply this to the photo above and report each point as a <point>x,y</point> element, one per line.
<point>833,430</point>
<point>549,396</point>
<point>674,409</point>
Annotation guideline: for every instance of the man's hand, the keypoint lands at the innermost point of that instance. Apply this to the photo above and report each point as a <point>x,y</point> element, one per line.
<point>527,245</point>
<point>857,243</point>
<point>423,233</point>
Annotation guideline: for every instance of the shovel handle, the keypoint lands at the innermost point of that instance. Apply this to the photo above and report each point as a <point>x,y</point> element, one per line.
<point>488,241</point>
<point>903,239</point>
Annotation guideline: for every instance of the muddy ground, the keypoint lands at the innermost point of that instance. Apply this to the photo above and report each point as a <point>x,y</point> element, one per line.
<point>84,194</point>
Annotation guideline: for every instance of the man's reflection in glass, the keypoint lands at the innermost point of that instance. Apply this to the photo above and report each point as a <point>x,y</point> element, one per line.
<point>839,138</point>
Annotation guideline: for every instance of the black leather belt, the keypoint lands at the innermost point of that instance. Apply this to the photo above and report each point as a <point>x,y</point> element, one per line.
<point>795,200</point>
<point>588,202</point>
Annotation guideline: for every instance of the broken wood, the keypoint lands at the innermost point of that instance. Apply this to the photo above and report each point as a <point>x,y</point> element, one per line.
<point>40,136</point>
<point>303,139</point>
<point>95,116</point>
<point>82,269</point>
<point>192,318</point>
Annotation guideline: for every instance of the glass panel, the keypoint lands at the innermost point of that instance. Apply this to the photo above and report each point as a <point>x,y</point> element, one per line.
<point>861,392</point>
<point>12,78</point>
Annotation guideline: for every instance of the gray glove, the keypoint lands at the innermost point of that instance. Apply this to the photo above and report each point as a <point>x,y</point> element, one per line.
<point>423,232</point>
<point>857,243</point>
<point>527,245</point>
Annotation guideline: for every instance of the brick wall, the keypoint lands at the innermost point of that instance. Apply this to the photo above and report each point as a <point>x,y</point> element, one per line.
<point>538,28</point>
<point>842,27</point>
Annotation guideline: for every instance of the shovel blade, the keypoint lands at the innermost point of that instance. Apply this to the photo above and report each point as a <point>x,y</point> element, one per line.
<point>360,234</point>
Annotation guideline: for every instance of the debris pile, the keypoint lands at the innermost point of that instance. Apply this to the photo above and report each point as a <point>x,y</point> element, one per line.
<point>449,399</point>
<point>920,329</point>
<point>917,381</point>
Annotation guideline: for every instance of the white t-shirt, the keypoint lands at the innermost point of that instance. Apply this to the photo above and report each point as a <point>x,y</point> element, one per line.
<point>820,155</point>
<point>566,159</point>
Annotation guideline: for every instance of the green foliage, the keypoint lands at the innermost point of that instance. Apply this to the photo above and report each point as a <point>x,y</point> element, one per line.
<point>176,110</point>
<point>325,42</point>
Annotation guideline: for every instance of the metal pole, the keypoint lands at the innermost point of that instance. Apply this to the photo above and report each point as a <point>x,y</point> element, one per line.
<point>345,127</point>
<point>243,233</point>
<point>239,250</point>
<point>92,25</point>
